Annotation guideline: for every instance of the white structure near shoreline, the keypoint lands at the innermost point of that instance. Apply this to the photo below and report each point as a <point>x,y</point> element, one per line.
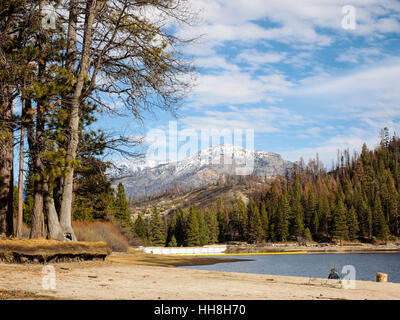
<point>206,250</point>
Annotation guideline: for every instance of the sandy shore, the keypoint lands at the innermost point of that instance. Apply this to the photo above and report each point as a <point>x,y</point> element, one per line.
<point>110,280</point>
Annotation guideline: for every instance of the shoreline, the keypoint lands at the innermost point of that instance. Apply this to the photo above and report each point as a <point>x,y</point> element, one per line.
<point>313,248</point>
<point>139,276</point>
<point>135,257</point>
<point>112,280</point>
<point>271,248</point>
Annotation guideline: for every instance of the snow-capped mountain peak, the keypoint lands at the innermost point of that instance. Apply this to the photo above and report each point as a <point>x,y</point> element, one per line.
<point>201,168</point>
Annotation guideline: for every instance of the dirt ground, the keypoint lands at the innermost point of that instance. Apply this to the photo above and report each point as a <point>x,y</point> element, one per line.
<point>113,280</point>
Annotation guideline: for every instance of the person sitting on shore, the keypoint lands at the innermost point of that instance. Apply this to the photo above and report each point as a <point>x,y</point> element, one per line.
<point>334,274</point>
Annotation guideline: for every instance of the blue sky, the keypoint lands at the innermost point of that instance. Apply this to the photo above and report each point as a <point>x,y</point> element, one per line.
<point>290,71</point>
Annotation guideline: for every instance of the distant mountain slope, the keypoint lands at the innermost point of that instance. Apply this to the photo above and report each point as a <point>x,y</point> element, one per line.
<point>204,168</point>
<point>203,197</point>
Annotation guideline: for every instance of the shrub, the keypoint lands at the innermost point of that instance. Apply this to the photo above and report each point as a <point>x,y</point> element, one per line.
<point>101,231</point>
<point>128,232</point>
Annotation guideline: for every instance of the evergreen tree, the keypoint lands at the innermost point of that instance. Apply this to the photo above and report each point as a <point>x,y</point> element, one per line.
<point>389,202</point>
<point>241,218</point>
<point>192,229</point>
<point>140,227</point>
<point>296,216</point>
<point>203,236</point>
<point>254,230</point>
<point>315,223</point>
<point>366,219</point>
<point>121,204</point>
<point>223,225</point>
<point>352,223</point>
<point>212,225</point>
<point>122,214</point>
<point>310,210</point>
<point>381,229</point>
<point>325,214</point>
<point>178,225</point>
<point>264,220</point>
<point>282,225</point>
<point>173,242</point>
<point>339,225</point>
<point>157,235</point>
<point>307,234</point>
<point>296,223</point>
<point>94,195</point>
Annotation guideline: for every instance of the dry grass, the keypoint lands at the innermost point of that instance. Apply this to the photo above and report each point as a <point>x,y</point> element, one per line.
<point>141,258</point>
<point>101,231</point>
<point>44,243</point>
<point>42,250</point>
<point>37,244</point>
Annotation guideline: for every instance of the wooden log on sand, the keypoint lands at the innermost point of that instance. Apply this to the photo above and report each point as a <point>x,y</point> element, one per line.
<point>381,277</point>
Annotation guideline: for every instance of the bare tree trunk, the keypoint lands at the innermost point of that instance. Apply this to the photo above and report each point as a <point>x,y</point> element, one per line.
<point>21,175</point>
<point>37,230</point>
<point>38,227</point>
<point>73,126</point>
<point>66,207</point>
<point>6,162</point>
<point>55,229</point>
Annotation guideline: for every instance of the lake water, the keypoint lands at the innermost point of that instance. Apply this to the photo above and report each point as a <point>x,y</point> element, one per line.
<point>314,265</point>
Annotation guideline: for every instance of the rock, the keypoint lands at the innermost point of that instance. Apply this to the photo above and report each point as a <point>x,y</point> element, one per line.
<point>381,277</point>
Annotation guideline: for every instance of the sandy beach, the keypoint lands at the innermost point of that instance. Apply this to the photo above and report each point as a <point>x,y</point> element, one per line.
<point>114,280</point>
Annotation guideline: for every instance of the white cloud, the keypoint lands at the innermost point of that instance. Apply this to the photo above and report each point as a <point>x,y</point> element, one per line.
<point>296,21</point>
<point>260,58</point>
<point>368,95</point>
<point>327,150</point>
<point>356,55</point>
<point>376,88</point>
<point>238,88</point>
<point>271,119</point>
<point>215,62</point>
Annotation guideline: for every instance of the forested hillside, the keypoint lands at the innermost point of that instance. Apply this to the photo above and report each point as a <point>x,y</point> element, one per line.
<point>358,200</point>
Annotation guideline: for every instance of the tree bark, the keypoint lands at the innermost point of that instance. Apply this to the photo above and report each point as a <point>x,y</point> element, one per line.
<point>55,229</point>
<point>38,227</point>
<point>6,161</point>
<point>64,224</point>
<point>73,125</point>
<point>37,230</point>
<point>21,174</point>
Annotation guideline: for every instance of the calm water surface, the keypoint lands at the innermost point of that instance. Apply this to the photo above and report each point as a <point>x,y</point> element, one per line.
<point>314,265</point>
